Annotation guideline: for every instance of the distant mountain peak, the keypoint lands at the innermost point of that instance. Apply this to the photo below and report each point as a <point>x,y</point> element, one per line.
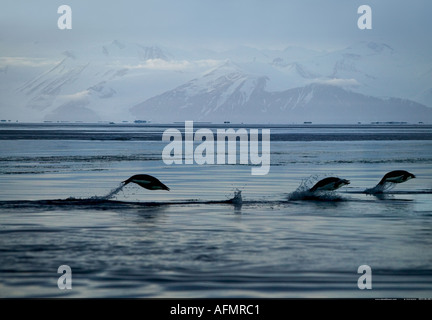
<point>69,54</point>
<point>152,52</point>
<point>371,47</point>
<point>237,97</point>
<point>226,67</point>
<point>142,52</point>
<point>118,44</point>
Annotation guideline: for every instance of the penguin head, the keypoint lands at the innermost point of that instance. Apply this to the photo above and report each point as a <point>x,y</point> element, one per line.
<point>410,176</point>
<point>343,182</point>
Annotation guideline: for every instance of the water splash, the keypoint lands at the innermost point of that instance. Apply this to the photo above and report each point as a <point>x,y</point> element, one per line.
<point>237,199</point>
<point>303,191</point>
<point>380,188</point>
<point>111,194</point>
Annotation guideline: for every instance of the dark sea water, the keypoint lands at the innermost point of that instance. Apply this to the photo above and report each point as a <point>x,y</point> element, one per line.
<point>220,232</point>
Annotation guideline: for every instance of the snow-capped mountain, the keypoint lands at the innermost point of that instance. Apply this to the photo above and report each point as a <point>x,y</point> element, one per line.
<point>98,84</point>
<point>126,81</point>
<point>365,82</point>
<point>228,94</point>
<point>222,91</point>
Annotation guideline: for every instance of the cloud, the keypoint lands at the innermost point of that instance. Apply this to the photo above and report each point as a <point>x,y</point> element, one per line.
<point>25,62</point>
<point>77,96</point>
<point>339,82</point>
<point>160,64</point>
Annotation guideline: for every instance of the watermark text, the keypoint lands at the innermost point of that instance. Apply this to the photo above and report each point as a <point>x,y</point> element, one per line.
<point>219,150</point>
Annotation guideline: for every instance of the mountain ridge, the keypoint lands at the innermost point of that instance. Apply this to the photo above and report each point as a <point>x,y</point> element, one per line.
<point>237,96</point>
<point>120,80</point>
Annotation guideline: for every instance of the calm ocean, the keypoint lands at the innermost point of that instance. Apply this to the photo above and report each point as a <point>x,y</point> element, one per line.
<point>61,203</point>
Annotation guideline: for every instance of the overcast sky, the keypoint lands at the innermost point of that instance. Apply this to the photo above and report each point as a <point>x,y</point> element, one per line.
<point>216,24</point>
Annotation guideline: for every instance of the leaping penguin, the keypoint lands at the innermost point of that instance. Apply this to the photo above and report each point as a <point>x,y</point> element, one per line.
<point>396,176</point>
<point>146,181</point>
<point>388,181</point>
<point>329,184</point>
